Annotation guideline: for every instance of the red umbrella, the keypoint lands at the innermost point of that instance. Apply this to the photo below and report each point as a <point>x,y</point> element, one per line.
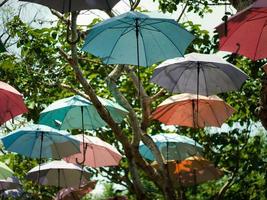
<point>11,103</point>
<point>246,32</point>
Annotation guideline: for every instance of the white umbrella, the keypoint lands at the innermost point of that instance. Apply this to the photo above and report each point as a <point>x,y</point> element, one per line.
<point>60,174</point>
<point>198,74</point>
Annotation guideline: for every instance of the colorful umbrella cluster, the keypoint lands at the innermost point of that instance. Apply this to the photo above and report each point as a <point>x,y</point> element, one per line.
<point>148,39</point>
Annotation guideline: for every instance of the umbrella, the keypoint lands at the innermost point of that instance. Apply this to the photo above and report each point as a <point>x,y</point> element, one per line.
<point>246,32</point>
<point>77,112</point>
<point>198,74</point>
<point>5,171</point>
<point>191,171</point>
<point>172,146</point>
<point>181,110</point>
<point>137,39</point>
<point>40,141</point>
<point>9,183</point>
<point>71,193</point>
<point>98,153</point>
<point>2,47</point>
<point>59,173</point>
<point>64,6</point>
<point>11,102</point>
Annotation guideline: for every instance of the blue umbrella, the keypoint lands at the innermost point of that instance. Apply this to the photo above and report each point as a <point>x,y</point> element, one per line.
<point>137,39</point>
<point>172,147</point>
<point>40,141</point>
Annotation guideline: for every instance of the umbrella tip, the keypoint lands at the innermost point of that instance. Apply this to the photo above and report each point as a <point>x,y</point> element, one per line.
<point>57,122</point>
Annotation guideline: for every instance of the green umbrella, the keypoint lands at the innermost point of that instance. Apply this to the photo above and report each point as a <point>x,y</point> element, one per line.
<point>2,47</point>
<point>5,171</point>
<point>77,112</point>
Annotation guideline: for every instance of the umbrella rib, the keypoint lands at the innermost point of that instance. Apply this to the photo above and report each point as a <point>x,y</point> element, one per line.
<point>214,113</point>
<point>185,69</point>
<point>144,46</point>
<point>169,40</point>
<point>117,42</point>
<point>258,42</point>
<point>205,79</point>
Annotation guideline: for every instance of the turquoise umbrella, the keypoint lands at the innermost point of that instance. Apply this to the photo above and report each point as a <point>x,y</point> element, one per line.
<point>40,141</point>
<point>172,147</point>
<point>77,112</point>
<point>137,39</point>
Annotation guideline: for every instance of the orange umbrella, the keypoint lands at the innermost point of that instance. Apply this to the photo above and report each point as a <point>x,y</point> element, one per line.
<point>191,171</point>
<point>189,110</point>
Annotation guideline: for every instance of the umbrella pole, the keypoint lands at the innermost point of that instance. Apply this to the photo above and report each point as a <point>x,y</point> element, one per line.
<point>198,68</point>
<point>58,180</point>
<point>137,52</point>
<point>40,156</point>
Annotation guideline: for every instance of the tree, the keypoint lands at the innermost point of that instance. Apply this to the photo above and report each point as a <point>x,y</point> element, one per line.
<point>51,68</point>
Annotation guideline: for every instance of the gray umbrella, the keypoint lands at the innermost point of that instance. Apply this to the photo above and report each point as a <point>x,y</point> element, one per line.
<point>198,74</point>
<point>64,6</point>
<point>9,183</point>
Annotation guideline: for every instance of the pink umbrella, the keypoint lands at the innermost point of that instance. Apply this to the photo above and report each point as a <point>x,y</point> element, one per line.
<point>74,193</point>
<point>11,103</point>
<point>182,110</point>
<point>97,152</point>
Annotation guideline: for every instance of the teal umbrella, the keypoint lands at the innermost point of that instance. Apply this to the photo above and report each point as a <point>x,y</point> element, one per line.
<point>77,112</point>
<point>138,39</point>
<point>172,147</point>
<point>40,141</point>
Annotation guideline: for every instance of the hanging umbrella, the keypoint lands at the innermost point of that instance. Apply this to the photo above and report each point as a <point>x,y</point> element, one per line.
<point>5,171</point>
<point>71,193</point>
<point>77,112</point>
<point>2,47</point>
<point>40,141</point>
<point>181,110</point>
<point>9,183</point>
<point>172,147</point>
<point>191,171</point>
<point>137,39</point>
<point>59,173</point>
<point>11,103</point>
<point>98,153</point>
<point>246,32</point>
<point>64,6</point>
<point>198,74</point>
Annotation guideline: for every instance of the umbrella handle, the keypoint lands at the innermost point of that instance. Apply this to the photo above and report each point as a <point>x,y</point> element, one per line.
<point>84,152</point>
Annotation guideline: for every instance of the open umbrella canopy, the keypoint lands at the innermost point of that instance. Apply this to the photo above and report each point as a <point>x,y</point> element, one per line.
<point>191,171</point>
<point>5,171</point>
<point>60,174</point>
<point>77,112</point>
<point>137,38</point>
<point>64,6</point>
<point>71,193</point>
<point>172,147</point>
<point>40,141</point>
<point>10,183</point>
<point>182,110</point>
<point>246,32</point>
<point>11,103</point>
<point>98,153</point>
<point>198,74</point>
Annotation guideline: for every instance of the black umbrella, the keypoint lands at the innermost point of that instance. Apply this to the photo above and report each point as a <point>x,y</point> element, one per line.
<point>64,6</point>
